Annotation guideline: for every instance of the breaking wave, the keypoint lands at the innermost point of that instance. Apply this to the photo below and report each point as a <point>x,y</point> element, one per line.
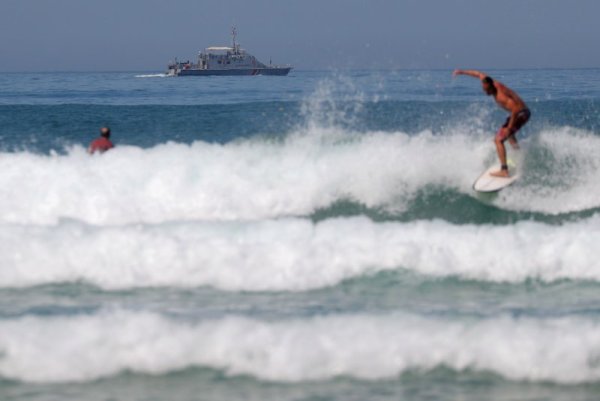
<point>263,178</point>
<point>293,254</point>
<point>84,348</point>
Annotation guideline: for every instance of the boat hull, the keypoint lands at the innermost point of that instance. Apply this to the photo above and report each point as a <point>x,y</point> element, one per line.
<point>232,72</point>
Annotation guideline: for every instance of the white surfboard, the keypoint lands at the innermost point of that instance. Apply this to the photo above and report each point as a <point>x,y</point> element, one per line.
<point>488,183</point>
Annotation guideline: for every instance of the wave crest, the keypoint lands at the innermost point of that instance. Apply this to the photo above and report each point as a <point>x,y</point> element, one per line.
<point>261,178</point>
<point>293,254</point>
<point>366,347</point>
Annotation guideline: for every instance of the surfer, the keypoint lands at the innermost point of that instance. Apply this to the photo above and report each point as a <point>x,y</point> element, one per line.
<point>103,143</point>
<point>509,101</point>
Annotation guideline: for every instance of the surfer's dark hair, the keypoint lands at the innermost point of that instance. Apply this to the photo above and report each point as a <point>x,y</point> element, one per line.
<point>105,132</point>
<point>488,80</point>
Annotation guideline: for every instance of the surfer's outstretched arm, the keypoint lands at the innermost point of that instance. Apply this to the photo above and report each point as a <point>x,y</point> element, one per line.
<point>471,73</point>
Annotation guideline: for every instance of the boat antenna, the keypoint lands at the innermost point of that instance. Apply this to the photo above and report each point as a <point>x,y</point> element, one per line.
<point>233,35</point>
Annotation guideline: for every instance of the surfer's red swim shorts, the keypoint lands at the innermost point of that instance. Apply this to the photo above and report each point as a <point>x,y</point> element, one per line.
<point>520,120</point>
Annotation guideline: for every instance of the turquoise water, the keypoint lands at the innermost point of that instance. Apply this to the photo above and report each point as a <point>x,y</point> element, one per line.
<point>305,237</point>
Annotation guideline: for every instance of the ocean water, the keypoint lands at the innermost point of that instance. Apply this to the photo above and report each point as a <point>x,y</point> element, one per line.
<point>309,237</point>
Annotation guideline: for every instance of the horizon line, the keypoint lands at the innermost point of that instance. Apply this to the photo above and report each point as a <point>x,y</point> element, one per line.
<point>309,70</point>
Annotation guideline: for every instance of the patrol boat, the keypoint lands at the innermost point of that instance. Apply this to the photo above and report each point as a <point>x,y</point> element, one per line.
<point>222,60</point>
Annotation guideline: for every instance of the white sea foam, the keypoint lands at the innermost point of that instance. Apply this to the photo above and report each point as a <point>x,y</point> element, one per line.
<point>258,178</point>
<point>564,175</point>
<point>293,254</point>
<point>151,76</point>
<point>368,347</point>
<point>251,179</point>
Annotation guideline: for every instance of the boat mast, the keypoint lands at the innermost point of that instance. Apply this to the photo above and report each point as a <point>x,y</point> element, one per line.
<point>233,35</point>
